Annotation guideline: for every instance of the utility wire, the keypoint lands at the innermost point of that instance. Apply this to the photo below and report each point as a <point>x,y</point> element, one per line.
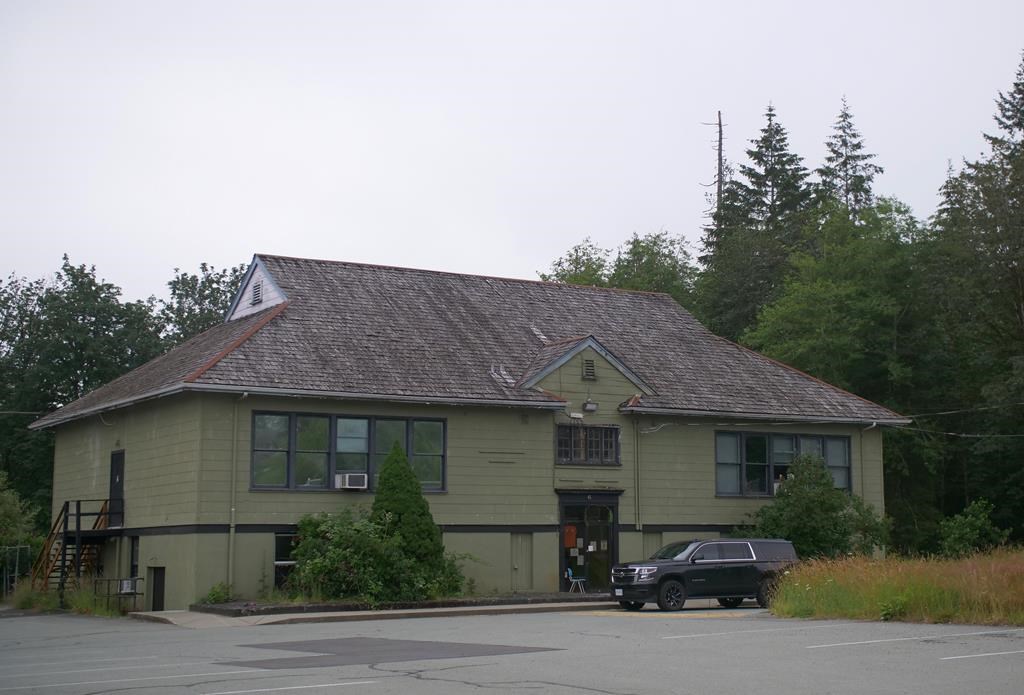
<point>960,434</point>
<point>968,410</point>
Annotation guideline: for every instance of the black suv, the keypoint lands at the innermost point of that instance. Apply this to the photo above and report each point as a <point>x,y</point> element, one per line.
<point>729,569</point>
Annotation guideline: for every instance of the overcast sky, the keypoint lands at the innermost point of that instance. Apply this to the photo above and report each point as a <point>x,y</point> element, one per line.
<point>479,137</point>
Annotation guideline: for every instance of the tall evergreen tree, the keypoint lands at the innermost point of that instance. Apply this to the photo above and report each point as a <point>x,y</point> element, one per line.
<point>976,264</point>
<point>848,171</point>
<point>758,223</point>
<point>776,191</point>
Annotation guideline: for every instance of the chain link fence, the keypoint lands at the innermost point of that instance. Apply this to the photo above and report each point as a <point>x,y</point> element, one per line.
<point>15,564</point>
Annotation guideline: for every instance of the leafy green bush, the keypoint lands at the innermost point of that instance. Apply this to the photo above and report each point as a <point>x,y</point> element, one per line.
<point>394,553</point>
<point>16,517</point>
<point>348,555</point>
<point>219,593</point>
<point>971,531</point>
<point>819,519</point>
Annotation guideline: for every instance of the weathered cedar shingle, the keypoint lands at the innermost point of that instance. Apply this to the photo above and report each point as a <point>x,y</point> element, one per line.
<point>379,331</point>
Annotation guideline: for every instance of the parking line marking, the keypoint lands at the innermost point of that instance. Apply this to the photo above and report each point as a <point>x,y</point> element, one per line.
<point>911,639</point>
<point>131,680</point>
<point>666,614</point>
<point>49,662</point>
<point>110,668</point>
<point>291,687</point>
<point>747,632</point>
<point>973,656</point>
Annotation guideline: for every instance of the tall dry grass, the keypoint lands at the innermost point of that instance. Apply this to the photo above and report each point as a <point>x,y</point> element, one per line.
<point>986,589</point>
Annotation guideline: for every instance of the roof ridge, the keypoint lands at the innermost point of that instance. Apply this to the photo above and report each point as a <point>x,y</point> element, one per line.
<point>234,345</point>
<point>566,341</point>
<point>548,283</point>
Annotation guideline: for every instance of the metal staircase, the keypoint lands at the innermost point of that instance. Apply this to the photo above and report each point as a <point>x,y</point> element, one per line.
<point>72,548</point>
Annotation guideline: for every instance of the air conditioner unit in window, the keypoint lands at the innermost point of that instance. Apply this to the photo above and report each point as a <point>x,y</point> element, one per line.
<point>350,481</point>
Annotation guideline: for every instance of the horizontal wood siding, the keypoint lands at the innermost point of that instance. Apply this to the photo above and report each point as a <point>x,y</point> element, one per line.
<point>677,469</point>
<point>499,464</point>
<point>609,390</point>
<point>160,440</point>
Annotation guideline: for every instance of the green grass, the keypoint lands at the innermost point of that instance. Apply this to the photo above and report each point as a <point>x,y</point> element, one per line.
<point>983,589</point>
<point>77,600</point>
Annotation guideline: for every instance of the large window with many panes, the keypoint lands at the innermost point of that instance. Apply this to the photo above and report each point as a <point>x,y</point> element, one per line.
<point>755,464</point>
<point>587,444</point>
<point>302,451</point>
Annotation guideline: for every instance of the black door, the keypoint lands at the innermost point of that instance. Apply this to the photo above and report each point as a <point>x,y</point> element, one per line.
<point>156,587</point>
<point>589,538</point>
<point>116,497</point>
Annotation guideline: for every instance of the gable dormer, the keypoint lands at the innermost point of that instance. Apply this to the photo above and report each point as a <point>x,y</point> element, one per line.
<point>257,292</point>
<point>586,359</point>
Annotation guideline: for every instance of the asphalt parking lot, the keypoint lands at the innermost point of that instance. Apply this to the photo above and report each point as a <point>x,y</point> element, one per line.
<point>601,651</point>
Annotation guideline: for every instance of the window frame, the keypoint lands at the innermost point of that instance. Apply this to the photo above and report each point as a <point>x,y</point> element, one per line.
<point>372,467</point>
<point>797,439</point>
<point>283,567</point>
<point>613,431</point>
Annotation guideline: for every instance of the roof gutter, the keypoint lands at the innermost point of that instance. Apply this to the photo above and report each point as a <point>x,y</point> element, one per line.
<point>684,412</point>
<point>292,393</point>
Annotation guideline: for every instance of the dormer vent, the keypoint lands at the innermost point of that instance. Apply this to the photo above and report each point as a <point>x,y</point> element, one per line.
<point>257,293</point>
<point>589,370</point>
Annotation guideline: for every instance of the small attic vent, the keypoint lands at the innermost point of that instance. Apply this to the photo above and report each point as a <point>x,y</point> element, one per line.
<point>589,371</point>
<point>257,292</point>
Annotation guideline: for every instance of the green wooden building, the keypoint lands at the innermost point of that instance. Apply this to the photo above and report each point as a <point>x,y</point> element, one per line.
<point>553,427</point>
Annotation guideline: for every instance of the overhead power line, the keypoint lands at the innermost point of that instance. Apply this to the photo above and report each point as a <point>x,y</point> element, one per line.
<point>962,435</point>
<point>969,410</point>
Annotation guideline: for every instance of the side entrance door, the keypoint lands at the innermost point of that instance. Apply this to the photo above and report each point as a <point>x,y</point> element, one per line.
<point>116,496</point>
<point>589,538</point>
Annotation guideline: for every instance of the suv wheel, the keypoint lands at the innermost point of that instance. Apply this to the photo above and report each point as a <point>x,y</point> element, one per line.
<point>671,595</point>
<point>632,605</point>
<point>764,593</point>
<point>730,602</point>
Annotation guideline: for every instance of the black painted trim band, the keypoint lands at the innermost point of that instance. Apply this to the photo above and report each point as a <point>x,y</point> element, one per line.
<point>188,529</point>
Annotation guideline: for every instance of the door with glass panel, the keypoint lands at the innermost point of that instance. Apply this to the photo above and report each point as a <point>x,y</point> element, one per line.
<point>589,536</point>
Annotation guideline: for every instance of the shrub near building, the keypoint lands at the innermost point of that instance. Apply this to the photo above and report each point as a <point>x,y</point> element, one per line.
<point>394,553</point>
<point>820,520</point>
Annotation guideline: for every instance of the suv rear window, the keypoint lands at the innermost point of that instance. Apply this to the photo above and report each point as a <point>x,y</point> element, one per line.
<point>736,551</point>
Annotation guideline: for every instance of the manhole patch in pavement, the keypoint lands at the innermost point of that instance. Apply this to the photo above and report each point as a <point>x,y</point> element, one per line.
<point>347,651</point>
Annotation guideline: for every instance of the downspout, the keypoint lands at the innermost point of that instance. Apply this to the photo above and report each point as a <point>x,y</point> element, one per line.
<point>872,426</point>
<point>234,493</point>
<point>636,472</point>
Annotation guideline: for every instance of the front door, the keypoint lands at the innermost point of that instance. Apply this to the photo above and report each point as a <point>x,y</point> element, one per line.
<point>589,545</point>
<point>116,497</point>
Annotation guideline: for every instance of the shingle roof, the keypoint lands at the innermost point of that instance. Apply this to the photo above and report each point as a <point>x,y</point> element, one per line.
<point>384,332</point>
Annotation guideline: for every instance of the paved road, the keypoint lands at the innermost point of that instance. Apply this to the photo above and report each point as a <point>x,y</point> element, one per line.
<point>695,651</point>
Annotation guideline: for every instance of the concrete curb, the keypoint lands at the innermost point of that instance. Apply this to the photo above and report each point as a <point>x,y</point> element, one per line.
<point>196,620</point>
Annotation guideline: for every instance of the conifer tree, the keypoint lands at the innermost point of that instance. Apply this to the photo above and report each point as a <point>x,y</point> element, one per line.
<point>757,225</point>
<point>399,495</point>
<point>776,191</point>
<point>848,171</point>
